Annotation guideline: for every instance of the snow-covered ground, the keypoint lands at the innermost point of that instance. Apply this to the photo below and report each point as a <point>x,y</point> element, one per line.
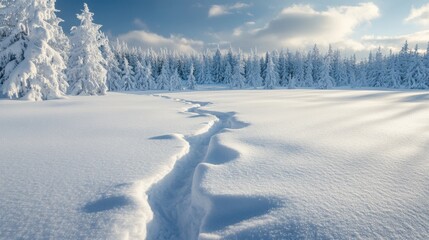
<point>78,168</point>
<point>252,164</point>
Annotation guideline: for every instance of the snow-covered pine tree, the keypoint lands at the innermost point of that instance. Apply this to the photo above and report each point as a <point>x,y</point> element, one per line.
<point>238,80</point>
<point>255,80</point>
<point>148,81</point>
<point>308,72</point>
<point>291,82</point>
<point>86,67</point>
<point>417,73</point>
<point>128,76</point>
<point>325,81</point>
<point>217,67</point>
<point>247,69</point>
<point>339,70</point>
<point>403,63</point>
<point>229,64</point>
<point>39,74</point>
<point>208,77</point>
<point>317,62</point>
<point>139,75</point>
<point>175,81</point>
<point>394,78</point>
<point>351,71</point>
<point>271,75</point>
<point>13,37</point>
<point>282,68</point>
<point>227,74</point>
<point>192,84</point>
<point>113,81</point>
<point>163,79</point>
<point>298,69</point>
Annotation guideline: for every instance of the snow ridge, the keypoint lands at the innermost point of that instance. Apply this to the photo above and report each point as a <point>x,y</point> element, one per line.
<point>178,211</point>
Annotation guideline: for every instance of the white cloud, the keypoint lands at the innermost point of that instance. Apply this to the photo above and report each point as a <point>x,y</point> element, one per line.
<point>396,42</point>
<point>218,10</point>
<point>419,15</point>
<point>147,39</point>
<point>140,23</point>
<point>300,26</point>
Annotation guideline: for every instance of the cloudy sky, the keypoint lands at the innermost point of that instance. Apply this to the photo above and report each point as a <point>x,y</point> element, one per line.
<point>188,25</point>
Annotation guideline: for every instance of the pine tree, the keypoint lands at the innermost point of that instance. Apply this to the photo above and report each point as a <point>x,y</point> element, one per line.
<point>37,74</point>
<point>417,73</point>
<point>325,80</point>
<point>291,82</point>
<point>86,72</point>
<point>217,69</point>
<point>271,76</point>
<point>13,38</point>
<point>175,81</point>
<point>255,80</point>
<point>163,80</point>
<point>403,63</point>
<point>299,70</point>
<point>191,79</point>
<point>393,73</point>
<point>308,72</point>
<point>111,64</point>
<point>317,62</point>
<point>139,72</point>
<point>227,73</point>
<point>238,79</point>
<point>148,82</point>
<point>208,77</point>
<point>128,76</point>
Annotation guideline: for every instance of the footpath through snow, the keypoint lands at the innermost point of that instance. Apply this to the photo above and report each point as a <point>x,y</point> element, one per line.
<point>178,212</point>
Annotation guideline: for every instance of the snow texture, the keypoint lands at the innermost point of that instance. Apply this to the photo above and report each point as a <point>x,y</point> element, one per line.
<point>249,164</point>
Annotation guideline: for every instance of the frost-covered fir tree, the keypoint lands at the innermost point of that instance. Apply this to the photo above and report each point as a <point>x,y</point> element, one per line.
<point>138,75</point>
<point>217,67</point>
<point>308,72</point>
<point>208,77</point>
<point>283,68</point>
<point>238,79</point>
<point>38,74</point>
<point>128,76</point>
<point>227,75</point>
<point>255,80</point>
<point>163,79</point>
<point>393,73</point>
<point>13,37</point>
<point>339,69</point>
<point>191,82</point>
<point>148,82</point>
<point>317,62</point>
<point>271,75</point>
<point>114,80</point>
<point>229,64</point>
<point>86,68</point>
<point>417,73</point>
<point>175,81</point>
<point>351,71</point>
<point>325,81</point>
<point>291,82</point>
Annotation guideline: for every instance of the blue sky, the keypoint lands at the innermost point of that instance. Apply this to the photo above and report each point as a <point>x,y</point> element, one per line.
<point>266,24</point>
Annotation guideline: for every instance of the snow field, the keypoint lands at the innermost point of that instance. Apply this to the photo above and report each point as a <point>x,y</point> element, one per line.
<point>78,168</point>
<point>252,164</point>
<point>316,164</point>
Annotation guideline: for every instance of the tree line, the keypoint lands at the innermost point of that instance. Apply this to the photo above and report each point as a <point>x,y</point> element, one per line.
<point>39,62</point>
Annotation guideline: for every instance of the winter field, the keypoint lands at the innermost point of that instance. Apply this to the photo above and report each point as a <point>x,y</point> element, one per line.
<point>249,164</point>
